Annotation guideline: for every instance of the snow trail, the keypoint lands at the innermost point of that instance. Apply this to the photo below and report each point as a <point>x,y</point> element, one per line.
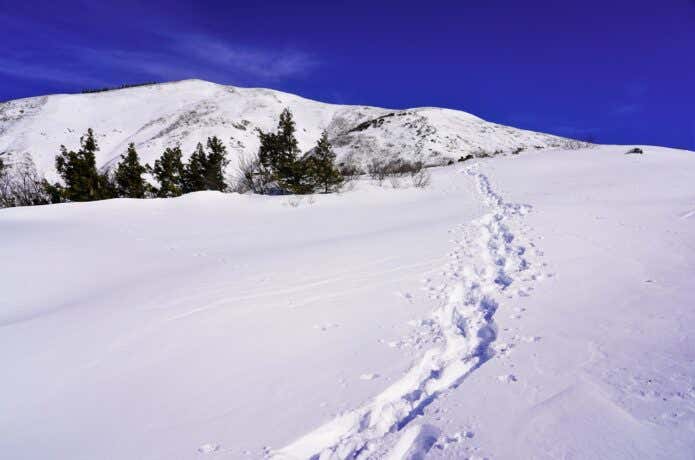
<point>487,259</point>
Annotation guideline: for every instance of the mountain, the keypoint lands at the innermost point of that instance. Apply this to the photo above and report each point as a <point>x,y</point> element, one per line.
<point>187,112</point>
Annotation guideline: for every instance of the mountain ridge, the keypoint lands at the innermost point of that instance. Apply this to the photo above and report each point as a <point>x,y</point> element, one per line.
<point>185,112</point>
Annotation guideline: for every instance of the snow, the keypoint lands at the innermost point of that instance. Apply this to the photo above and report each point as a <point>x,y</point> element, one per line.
<point>187,112</point>
<point>527,306</point>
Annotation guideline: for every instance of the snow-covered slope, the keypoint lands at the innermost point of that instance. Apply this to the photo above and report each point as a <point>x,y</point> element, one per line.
<point>187,112</point>
<point>530,306</point>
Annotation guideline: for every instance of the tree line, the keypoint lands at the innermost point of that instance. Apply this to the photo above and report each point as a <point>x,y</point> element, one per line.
<point>112,88</point>
<point>278,168</point>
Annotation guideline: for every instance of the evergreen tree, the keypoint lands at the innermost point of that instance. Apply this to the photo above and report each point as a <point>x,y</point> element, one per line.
<point>321,167</point>
<point>78,171</point>
<point>215,163</point>
<point>288,149</point>
<point>267,170</point>
<point>195,170</point>
<point>54,191</point>
<point>205,171</point>
<point>128,176</point>
<point>168,171</point>
<point>108,188</point>
<point>278,154</point>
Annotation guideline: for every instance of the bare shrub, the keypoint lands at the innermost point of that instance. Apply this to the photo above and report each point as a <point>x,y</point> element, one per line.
<point>403,168</point>
<point>395,181</point>
<point>350,172</point>
<point>293,201</point>
<point>21,184</point>
<point>573,144</point>
<point>377,170</point>
<point>396,170</point>
<point>6,196</point>
<point>421,178</point>
<point>251,177</point>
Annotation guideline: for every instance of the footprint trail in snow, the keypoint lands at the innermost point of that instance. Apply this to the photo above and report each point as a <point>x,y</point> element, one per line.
<point>488,266</point>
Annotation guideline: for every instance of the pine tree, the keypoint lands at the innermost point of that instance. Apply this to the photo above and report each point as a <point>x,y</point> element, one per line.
<point>321,167</point>
<point>108,188</point>
<point>205,171</point>
<point>288,149</point>
<point>54,191</point>
<point>266,158</point>
<point>78,171</point>
<point>215,163</point>
<point>168,171</point>
<point>194,171</point>
<point>128,176</point>
<point>278,154</point>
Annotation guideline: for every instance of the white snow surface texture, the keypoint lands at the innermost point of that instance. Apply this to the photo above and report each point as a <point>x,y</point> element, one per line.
<point>530,306</point>
<point>184,113</point>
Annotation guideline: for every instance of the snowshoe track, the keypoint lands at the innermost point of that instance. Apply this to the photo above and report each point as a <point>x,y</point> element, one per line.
<point>487,259</point>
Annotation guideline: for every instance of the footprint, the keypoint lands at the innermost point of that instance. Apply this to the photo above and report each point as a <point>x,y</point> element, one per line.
<point>456,438</point>
<point>415,442</point>
<point>531,339</point>
<point>369,376</point>
<point>208,448</point>
<point>509,378</point>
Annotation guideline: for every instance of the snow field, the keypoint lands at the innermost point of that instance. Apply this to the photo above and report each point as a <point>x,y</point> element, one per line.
<point>378,323</point>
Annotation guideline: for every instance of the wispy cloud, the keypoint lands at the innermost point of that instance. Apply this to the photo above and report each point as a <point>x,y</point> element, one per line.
<point>270,64</point>
<point>180,57</point>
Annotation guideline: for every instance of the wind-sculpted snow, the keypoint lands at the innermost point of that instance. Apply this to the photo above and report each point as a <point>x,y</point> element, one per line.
<point>184,113</point>
<point>486,261</point>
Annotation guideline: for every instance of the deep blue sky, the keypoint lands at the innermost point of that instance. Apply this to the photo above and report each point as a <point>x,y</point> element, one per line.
<point>614,71</point>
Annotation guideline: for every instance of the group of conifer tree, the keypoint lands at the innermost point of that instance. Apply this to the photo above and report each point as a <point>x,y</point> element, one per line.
<point>279,168</point>
<point>82,181</point>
